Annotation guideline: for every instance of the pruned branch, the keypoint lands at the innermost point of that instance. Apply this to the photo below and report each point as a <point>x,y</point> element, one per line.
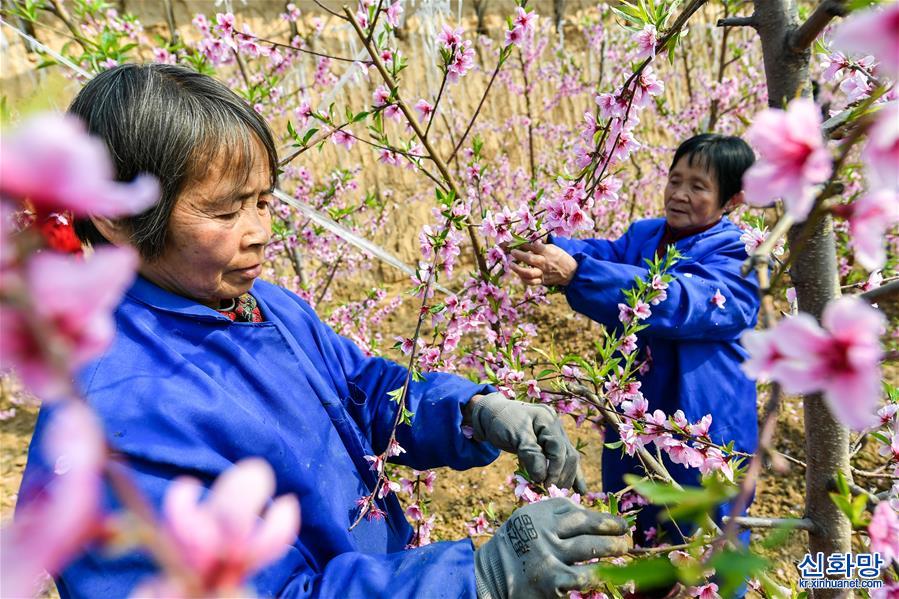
<point>749,21</point>
<point>889,290</point>
<point>754,522</point>
<point>802,37</point>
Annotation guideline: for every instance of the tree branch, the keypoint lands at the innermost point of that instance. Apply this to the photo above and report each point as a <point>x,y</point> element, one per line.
<point>802,37</point>
<point>413,122</point>
<point>749,21</point>
<point>885,291</point>
<point>753,522</point>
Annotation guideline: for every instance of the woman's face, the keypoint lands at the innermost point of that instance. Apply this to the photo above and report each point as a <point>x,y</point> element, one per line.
<point>691,196</point>
<point>217,234</point>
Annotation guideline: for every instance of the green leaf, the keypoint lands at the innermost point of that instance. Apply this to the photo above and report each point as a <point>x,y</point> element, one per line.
<point>853,5</point>
<point>657,572</point>
<point>689,503</point>
<point>734,567</point>
<point>308,136</point>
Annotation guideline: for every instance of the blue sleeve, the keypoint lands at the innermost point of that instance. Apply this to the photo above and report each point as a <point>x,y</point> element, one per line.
<point>688,312</point>
<point>435,438</point>
<point>438,570</point>
<point>598,249</point>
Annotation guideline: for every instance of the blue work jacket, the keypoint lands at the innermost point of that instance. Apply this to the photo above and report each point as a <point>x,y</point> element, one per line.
<point>183,390</point>
<point>694,345</point>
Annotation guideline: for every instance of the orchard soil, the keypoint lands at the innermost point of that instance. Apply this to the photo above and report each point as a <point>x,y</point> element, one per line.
<point>458,496</point>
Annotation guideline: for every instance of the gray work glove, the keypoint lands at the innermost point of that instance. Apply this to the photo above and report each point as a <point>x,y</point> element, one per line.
<point>533,552</point>
<point>533,432</point>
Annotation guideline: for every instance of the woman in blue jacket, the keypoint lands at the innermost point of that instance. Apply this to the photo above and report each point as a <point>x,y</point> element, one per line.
<point>210,365</point>
<point>692,340</point>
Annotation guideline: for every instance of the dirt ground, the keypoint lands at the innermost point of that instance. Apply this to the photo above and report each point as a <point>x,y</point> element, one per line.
<point>458,496</point>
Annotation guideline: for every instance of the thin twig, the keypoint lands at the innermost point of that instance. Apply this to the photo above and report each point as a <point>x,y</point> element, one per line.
<point>803,36</point>
<point>410,118</point>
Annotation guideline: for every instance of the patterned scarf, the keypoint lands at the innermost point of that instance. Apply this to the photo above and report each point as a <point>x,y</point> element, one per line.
<point>244,309</point>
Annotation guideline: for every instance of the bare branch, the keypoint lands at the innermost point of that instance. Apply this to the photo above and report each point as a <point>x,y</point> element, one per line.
<point>802,38</point>
<point>754,522</point>
<point>413,122</point>
<point>749,21</point>
<point>885,291</point>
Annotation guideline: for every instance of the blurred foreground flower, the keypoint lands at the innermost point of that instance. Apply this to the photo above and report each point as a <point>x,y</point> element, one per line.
<point>792,157</point>
<point>842,359</point>
<point>873,31</point>
<point>64,316</point>
<point>55,164</point>
<point>222,539</point>
<point>53,527</point>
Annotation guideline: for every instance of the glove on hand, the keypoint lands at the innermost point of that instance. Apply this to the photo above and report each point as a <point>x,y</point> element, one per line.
<point>532,553</point>
<point>533,432</point>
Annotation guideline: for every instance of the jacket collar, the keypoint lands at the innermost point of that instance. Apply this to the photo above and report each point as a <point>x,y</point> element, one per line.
<point>149,294</point>
<point>685,243</point>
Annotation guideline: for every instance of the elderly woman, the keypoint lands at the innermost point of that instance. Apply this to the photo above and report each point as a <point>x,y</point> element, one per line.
<point>691,347</point>
<point>211,365</point>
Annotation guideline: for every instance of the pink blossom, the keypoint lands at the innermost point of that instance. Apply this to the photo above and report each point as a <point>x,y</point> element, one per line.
<point>53,162</point>
<point>718,299</point>
<point>414,513</point>
<point>872,31</point>
<point>74,298</point>
<point>450,38</point>
<point>708,591</point>
<point>641,310</point>
<point>833,65</point>
<point>461,62</point>
<point>428,479</point>
<point>647,87</point>
<point>792,157</point>
<point>342,138</point>
<point>514,36</point>
<point>479,526</point>
<point>607,189</point>
<point>393,13</point>
<point>635,408</point>
<point>387,487</point>
<point>646,42</point>
<point>393,112</point>
<point>628,344</point>
<point>753,238</point>
<point>52,528</point>
<point>524,19</point>
<point>201,23</point>
<point>394,449</point>
<point>223,539</point>
<point>856,87</point>
<point>870,217</point>
<point>625,313</point>
<point>377,463</point>
<point>611,105</point>
<point>224,24</point>
<point>292,14</point>
<point>381,96</point>
<point>524,491</point>
<point>881,153</point>
<point>424,109</point>
<point>842,359</point>
<point>883,531</point>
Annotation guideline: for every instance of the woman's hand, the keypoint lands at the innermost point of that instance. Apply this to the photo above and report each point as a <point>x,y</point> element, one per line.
<point>543,264</point>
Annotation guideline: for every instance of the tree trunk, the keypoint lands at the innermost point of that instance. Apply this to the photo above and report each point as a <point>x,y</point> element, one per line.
<point>814,274</point>
<point>558,13</point>
<point>480,8</point>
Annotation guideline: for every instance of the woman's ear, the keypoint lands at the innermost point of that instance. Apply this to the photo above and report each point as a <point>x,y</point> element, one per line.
<point>113,230</point>
<point>734,201</point>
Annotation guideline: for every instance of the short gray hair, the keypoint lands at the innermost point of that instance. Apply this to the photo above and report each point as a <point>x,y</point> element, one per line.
<point>170,122</point>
